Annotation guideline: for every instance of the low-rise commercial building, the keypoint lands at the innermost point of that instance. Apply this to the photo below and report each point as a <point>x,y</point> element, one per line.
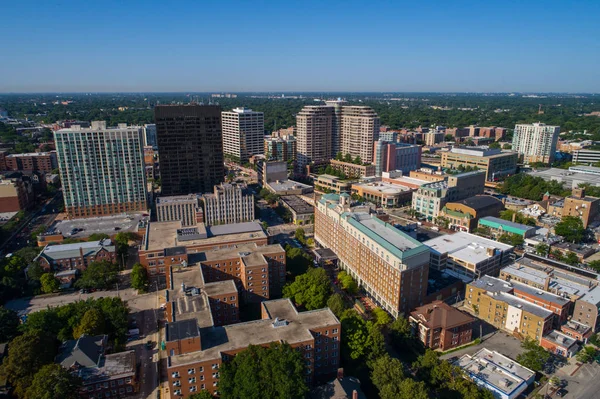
<point>182,208</point>
<point>576,330</point>
<point>499,226</point>
<point>496,163</point>
<point>302,212</point>
<point>491,300</point>
<point>468,256</point>
<point>430,175</point>
<point>384,194</point>
<point>559,344</point>
<point>327,184</point>
<point>353,170</point>
<point>396,177</point>
<point>274,177</point>
<point>391,266</point>
<point>463,215</point>
<point>440,326</point>
<point>76,256</point>
<point>491,370</point>
<point>16,194</point>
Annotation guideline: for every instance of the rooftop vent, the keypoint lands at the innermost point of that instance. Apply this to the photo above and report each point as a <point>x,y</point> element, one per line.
<point>279,323</point>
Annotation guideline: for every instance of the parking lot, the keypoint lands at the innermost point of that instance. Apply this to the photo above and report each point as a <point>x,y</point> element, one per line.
<point>105,225</point>
<point>499,341</point>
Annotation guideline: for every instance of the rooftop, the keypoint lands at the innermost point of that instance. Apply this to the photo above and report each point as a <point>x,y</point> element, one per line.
<point>177,199</point>
<point>497,370</point>
<point>75,250</point>
<point>439,314</point>
<point>479,202</point>
<point>115,365</point>
<point>467,247</point>
<point>101,225</point>
<point>507,225</point>
<point>382,187</point>
<point>543,295</point>
<point>286,185</point>
<point>181,330</point>
<point>571,178</point>
<point>298,204</point>
<point>560,339</point>
<point>492,284</point>
<point>293,327</point>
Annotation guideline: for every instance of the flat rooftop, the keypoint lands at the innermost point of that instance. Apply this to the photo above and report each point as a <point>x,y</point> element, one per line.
<point>110,367</point>
<point>175,199</point>
<point>384,233</point>
<point>298,204</point>
<point>560,339</point>
<point>464,246</point>
<point>524,305</point>
<point>543,295</point>
<point>239,251</point>
<point>382,187</point>
<point>497,370</point>
<point>287,185</point>
<point>293,328</point>
<point>569,177</point>
<point>492,284</point>
<point>493,221</point>
<point>127,223</point>
<point>161,235</point>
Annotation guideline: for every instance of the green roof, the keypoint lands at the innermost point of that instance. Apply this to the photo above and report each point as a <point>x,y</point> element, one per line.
<point>506,225</point>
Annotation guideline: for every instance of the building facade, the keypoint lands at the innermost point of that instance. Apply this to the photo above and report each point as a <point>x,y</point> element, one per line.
<point>586,156</point>
<point>228,204</point>
<point>101,169</point>
<point>243,134</point>
<point>190,142</point>
<point>359,129</point>
<point>535,142</point>
<point>463,215</point>
<point>16,194</point>
<point>76,256</point>
<point>280,148</point>
<point>440,326</point>
<point>150,136</point>
<point>496,163</point>
<point>396,156</point>
<point>183,207</point>
<point>35,161</point>
<point>352,169</point>
<point>391,266</point>
<point>314,130</point>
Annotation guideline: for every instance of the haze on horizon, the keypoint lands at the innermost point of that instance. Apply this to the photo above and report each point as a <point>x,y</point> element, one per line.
<point>307,46</point>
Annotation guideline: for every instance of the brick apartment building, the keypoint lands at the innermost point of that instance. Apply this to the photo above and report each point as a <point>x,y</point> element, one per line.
<point>33,161</point>
<point>16,194</point>
<point>76,256</point>
<point>440,326</point>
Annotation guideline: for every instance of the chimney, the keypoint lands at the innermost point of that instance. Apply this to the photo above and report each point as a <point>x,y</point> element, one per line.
<point>355,394</point>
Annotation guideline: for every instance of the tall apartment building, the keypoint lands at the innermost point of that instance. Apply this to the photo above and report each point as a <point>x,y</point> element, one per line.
<point>535,142</point>
<point>280,148</point>
<point>430,198</point>
<point>35,161</point>
<point>150,135</point>
<point>391,266</point>
<point>191,148</point>
<point>243,134</point>
<point>496,163</point>
<point>181,207</point>
<point>101,169</point>
<point>396,156</point>
<point>228,204</point>
<point>324,130</point>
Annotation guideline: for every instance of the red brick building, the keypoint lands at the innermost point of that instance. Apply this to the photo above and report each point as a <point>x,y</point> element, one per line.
<point>76,256</point>
<point>560,306</point>
<point>440,326</point>
<point>34,161</point>
<point>16,194</point>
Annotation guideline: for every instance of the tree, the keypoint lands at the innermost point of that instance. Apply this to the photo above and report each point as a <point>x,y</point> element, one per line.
<point>542,249</point>
<point>400,329</point>
<point>595,264</point>
<point>448,137</point>
<point>347,282</point>
<point>201,395</point>
<point>357,160</point>
<point>139,278</point>
<point>571,228</point>
<point>297,261</point>
<point>300,236</point>
<point>49,283</point>
<point>339,156</point>
<point>9,324</point>
<point>309,290</point>
<point>310,242</point>
<point>336,304</point>
<point>507,147</point>
<point>382,318</point>
<point>495,144</point>
<point>586,355</point>
<point>275,372</point>
<point>98,274</point>
<point>361,340</point>
<point>534,357</point>
<point>388,376</point>
<point>512,239</point>
<point>348,158</point>
<point>54,382</point>
<point>28,353</point>
<point>555,381</point>
<point>571,258</point>
<point>92,323</point>
<point>98,236</point>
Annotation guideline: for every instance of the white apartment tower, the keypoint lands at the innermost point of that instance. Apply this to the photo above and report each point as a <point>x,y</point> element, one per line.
<point>535,142</point>
<point>101,169</point>
<point>228,205</point>
<point>243,134</point>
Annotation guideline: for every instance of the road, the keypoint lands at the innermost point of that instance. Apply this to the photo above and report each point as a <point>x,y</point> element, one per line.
<point>584,384</point>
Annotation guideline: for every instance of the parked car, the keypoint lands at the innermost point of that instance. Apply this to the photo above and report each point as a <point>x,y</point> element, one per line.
<point>561,392</point>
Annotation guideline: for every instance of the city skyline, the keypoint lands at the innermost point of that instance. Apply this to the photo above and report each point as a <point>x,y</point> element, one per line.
<point>491,47</point>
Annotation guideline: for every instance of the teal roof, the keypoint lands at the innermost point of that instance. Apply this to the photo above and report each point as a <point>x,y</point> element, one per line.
<point>506,225</point>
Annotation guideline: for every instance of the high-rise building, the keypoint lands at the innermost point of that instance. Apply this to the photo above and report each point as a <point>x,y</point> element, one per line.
<point>228,204</point>
<point>396,156</point>
<point>101,169</point>
<point>535,142</point>
<point>191,148</point>
<point>180,207</point>
<point>243,134</point>
<point>280,148</point>
<point>150,135</point>
<point>314,127</point>
<point>391,266</point>
<point>359,129</point>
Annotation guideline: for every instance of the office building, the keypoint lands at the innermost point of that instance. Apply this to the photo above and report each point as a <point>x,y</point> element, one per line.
<point>101,169</point>
<point>243,134</point>
<point>191,148</point>
<point>196,354</point>
<point>388,264</point>
<point>383,194</point>
<point>580,286</point>
<point>150,136</point>
<point>491,300</point>
<point>326,184</point>
<point>496,163</point>
<point>463,215</point>
<point>586,156</point>
<point>184,208</point>
<point>430,198</point>
<point>390,156</point>
<point>353,170</point>
<point>228,204</point>
<point>468,256</point>
<point>35,161</point>
<point>280,148</point>
<point>535,142</point>
<point>302,212</point>
<point>440,326</point>
<point>501,375</point>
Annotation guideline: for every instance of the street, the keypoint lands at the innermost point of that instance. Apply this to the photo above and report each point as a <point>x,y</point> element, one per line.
<point>584,384</point>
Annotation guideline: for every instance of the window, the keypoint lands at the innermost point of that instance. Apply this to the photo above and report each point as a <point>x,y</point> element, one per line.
<point>191,371</point>
<point>193,388</point>
<point>192,380</point>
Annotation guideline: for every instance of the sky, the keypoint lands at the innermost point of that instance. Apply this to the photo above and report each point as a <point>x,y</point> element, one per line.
<point>287,45</point>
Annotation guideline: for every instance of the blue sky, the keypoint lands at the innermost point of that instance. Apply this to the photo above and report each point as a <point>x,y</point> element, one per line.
<point>486,45</point>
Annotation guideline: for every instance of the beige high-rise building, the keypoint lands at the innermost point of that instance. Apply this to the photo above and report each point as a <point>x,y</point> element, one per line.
<point>243,134</point>
<point>314,128</point>
<point>228,205</point>
<point>535,142</point>
<point>179,207</point>
<point>359,129</point>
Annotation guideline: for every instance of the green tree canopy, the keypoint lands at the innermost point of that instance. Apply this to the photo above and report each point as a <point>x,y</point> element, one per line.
<point>300,235</point>
<point>381,317</point>
<point>586,355</point>
<point>201,395</point>
<point>361,340</point>
<point>99,274</point>
<point>275,372</point>
<point>347,282</point>
<point>297,261</point>
<point>92,323</point>
<point>571,228</point>
<point>542,249</point>
<point>310,290</point>
<point>511,239</point>
<point>139,278</point>
<point>54,382</point>
<point>534,357</point>
<point>49,283</point>
<point>9,324</point>
<point>336,304</point>
<point>388,376</point>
